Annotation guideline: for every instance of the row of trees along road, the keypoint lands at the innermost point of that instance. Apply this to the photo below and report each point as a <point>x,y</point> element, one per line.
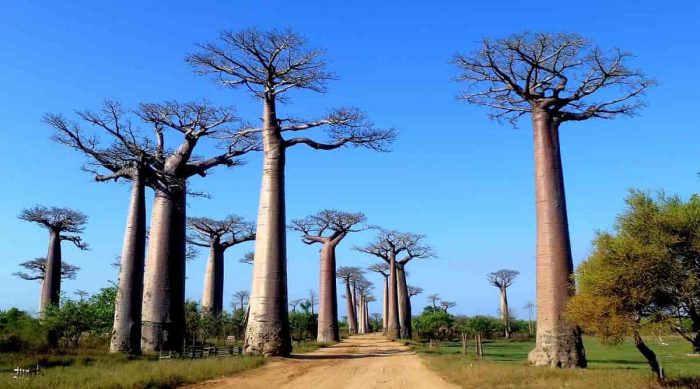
<point>553,78</point>
<point>150,303</point>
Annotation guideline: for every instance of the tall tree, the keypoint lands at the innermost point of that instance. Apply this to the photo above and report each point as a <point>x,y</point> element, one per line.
<point>329,228</point>
<point>313,298</point>
<point>529,306</point>
<point>414,291</point>
<point>387,246</point>
<point>553,78</point>
<point>37,269</point>
<point>58,221</point>
<point>383,269</point>
<point>348,274</point>
<point>218,236</point>
<point>364,289</point>
<point>502,279</point>
<point>164,279</point>
<point>269,64</point>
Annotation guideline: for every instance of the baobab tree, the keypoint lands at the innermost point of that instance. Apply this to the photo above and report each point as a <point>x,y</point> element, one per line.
<point>553,78</point>
<point>383,269</point>
<point>447,305</point>
<point>348,274</point>
<point>329,228</point>
<point>129,156</point>
<point>529,306</point>
<point>387,246</point>
<point>164,279</point>
<point>313,298</point>
<point>242,296</point>
<point>414,291</point>
<point>248,258</point>
<point>58,221</point>
<point>502,279</point>
<point>269,64</point>
<point>294,302</point>
<point>37,270</point>
<point>433,299</point>
<point>364,289</point>
<point>218,236</point>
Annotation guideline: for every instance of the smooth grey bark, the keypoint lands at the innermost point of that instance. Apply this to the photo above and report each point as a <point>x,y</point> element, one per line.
<point>404,303</point>
<point>51,284</point>
<point>505,313</point>
<point>558,343</point>
<point>126,333</point>
<point>393,325</point>
<point>352,321</point>
<point>164,284</point>
<point>328,302</point>
<point>213,290</point>
<point>355,302</point>
<point>385,304</point>
<point>267,332</point>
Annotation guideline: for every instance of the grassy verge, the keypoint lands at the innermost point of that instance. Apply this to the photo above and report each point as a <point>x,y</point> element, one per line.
<point>505,366</point>
<point>306,347</point>
<point>114,372</point>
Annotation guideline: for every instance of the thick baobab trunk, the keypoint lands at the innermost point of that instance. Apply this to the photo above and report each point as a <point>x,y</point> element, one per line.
<point>164,281</point>
<point>126,334</point>
<point>355,303</point>
<point>213,292</point>
<point>385,304</point>
<point>648,354</point>
<point>51,285</point>
<point>368,323</point>
<point>352,320</point>
<point>558,342</point>
<point>393,327</point>
<point>327,297</point>
<point>404,304</point>
<point>267,332</point>
<point>505,314</point>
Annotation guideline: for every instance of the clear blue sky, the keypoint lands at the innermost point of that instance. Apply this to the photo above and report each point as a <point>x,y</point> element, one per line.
<point>464,181</point>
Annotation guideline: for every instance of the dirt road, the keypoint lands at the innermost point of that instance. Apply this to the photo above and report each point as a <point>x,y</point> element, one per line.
<point>365,361</point>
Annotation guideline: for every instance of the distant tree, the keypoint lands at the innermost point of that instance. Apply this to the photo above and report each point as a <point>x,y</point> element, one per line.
<point>329,228</point>
<point>218,236</point>
<point>57,221</point>
<point>387,246</point>
<point>313,299</point>
<point>502,279</point>
<point>383,269</point>
<point>294,302</point>
<point>37,269</point>
<point>349,274</point>
<point>447,305</point>
<point>414,290</point>
<point>530,306</point>
<point>269,64</point>
<point>242,296</point>
<point>248,258</point>
<point>433,299</point>
<point>553,78</point>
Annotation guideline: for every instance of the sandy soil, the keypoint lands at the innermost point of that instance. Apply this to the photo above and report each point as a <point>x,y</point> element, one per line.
<point>364,361</point>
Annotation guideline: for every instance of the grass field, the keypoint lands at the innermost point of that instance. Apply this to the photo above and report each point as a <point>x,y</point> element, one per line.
<point>505,366</point>
<point>97,369</point>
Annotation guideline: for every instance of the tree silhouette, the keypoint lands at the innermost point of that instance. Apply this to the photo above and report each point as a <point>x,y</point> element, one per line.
<point>502,279</point>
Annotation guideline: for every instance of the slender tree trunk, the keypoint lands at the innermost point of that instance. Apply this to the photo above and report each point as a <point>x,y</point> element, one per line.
<point>126,334</point>
<point>648,354</point>
<point>355,303</point>
<point>558,342</point>
<point>327,297</point>
<point>360,318</point>
<point>164,280</point>
<point>368,322</point>
<point>267,332</point>
<point>385,304</point>
<point>696,343</point>
<point>352,321</point>
<point>393,321</point>
<point>404,303</point>
<point>51,285</point>
<point>213,292</point>
<point>505,314</point>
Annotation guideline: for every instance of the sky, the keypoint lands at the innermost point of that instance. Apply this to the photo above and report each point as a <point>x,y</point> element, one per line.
<point>464,181</point>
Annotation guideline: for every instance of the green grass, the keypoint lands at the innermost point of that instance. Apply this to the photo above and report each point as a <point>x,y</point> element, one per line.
<point>118,372</point>
<point>308,346</point>
<point>505,365</point>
